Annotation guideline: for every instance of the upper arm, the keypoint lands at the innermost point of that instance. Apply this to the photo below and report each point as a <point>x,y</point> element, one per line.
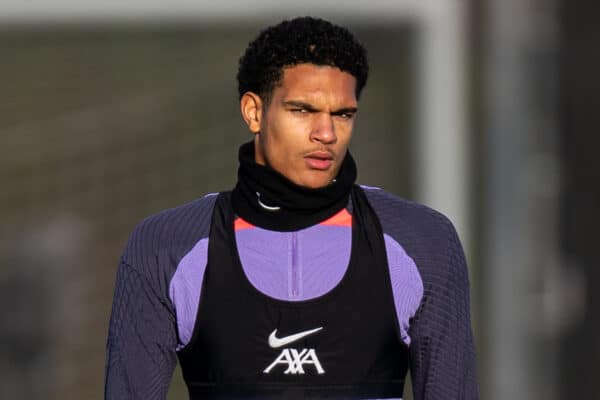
<point>143,332</point>
<point>141,341</point>
<point>442,350</point>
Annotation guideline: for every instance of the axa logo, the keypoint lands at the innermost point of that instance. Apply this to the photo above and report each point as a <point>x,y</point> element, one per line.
<point>295,360</point>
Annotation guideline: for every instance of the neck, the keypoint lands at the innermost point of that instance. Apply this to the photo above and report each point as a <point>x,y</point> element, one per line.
<point>267,199</point>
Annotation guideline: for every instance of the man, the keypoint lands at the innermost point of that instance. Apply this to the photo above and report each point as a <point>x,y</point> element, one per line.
<point>298,283</point>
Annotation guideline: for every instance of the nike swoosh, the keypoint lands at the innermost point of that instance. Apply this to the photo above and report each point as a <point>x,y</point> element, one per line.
<point>276,342</point>
<point>266,207</point>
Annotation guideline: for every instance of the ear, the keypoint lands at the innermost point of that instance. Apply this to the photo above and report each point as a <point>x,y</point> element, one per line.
<point>251,108</point>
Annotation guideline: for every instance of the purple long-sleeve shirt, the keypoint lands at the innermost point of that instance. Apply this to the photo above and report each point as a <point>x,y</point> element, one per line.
<point>160,279</point>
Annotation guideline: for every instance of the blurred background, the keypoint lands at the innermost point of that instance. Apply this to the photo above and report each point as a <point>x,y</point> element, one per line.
<point>483,109</point>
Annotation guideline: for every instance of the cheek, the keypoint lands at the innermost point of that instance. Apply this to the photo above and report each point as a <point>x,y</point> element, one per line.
<point>276,126</point>
<point>277,142</point>
<point>286,132</point>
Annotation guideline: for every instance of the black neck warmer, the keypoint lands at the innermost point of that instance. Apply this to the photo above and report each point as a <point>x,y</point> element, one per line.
<point>267,199</point>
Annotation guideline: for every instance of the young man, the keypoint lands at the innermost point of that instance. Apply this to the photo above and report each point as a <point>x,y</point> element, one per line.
<point>297,284</point>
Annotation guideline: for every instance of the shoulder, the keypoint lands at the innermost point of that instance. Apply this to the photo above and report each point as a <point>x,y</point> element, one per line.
<point>170,233</point>
<point>425,234</point>
<point>400,216</point>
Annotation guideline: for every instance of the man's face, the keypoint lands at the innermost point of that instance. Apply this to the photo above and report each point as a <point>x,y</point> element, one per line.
<point>305,130</point>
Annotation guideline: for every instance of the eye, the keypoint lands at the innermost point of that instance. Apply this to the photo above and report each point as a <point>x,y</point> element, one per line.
<point>346,115</point>
<point>299,110</point>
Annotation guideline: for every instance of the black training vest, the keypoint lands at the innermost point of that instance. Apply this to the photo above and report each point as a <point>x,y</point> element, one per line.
<point>344,344</point>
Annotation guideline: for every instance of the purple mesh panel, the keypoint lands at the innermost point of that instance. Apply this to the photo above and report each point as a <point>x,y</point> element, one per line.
<point>316,259</point>
<point>295,265</point>
<point>407,285</point>
<point>184,290</point>
<point>325,254</point>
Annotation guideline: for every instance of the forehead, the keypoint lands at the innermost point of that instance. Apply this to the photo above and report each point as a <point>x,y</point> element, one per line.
<point>310,81</point>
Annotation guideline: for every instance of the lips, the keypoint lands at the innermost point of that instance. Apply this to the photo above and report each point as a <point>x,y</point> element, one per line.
<point>320,160</point>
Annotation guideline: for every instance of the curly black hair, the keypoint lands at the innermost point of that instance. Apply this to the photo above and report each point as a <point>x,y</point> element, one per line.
<point>297,41</point>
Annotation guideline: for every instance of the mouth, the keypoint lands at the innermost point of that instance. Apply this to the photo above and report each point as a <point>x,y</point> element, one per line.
<point>319,160</point>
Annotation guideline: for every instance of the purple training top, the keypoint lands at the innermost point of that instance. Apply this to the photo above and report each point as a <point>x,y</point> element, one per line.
<point>160,275</point>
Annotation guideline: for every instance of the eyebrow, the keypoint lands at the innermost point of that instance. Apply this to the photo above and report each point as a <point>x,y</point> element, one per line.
<point>300,104</point>
<point>311,108</point>
<point>345,110</point>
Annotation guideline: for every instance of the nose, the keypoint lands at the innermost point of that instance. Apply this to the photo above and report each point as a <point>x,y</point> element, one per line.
<point>323,129</point>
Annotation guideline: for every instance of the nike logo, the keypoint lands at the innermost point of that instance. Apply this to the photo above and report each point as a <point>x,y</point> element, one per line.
<point>266,207</point>
<point>276,342</point>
